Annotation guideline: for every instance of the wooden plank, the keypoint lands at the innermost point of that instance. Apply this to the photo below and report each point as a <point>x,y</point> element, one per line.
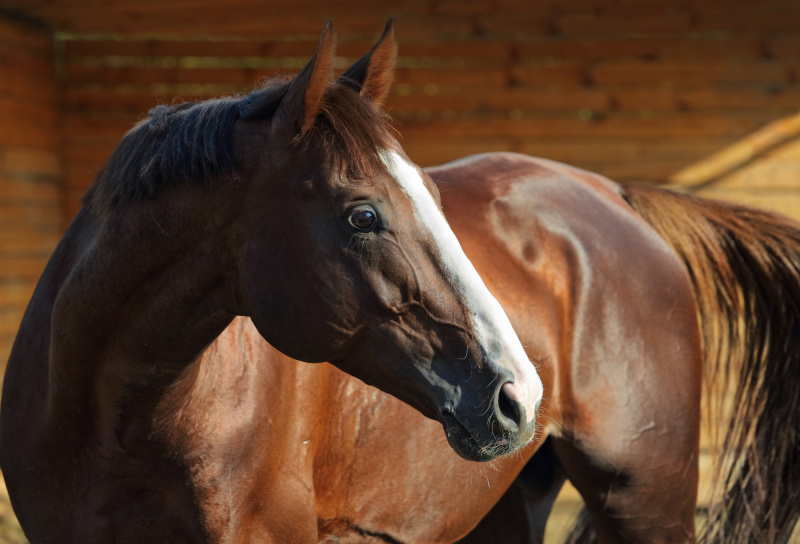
<point>656,170</point>
<point>30,159</point>
<point>257,20</point>
<point>16,190</point>
<point>678,126</point>
<point>79,178</point>
<point>560,73</point>
<point>780,200</point>
<point>648,19</point>
<point>787,46</point>
<point>436,98</point>
<point>99,132</point>
<point>566,149</point>
<point>36,69</point>
<point>78,51</point>
<point>635,20</point>
<point>478,77</point>
<point>25,36</point>
<point>44,136</point>
<point>788,151</point>
<point>14,53</point>
<point>75,48</point>
<point>273,10</point>
<point>131,101</point>
<point>30,216</point>
<point>488,75</point>
<point>709,99</point>
<point>138,99</point>
<point>748,46</point>
<point>87,157</point>
<point>235,76</point>
<point>19,84</point>
<point>27,241</point>
<point>622,150</point>
<point>22,112</point>
<point>276,7</point>
<point>16,293</point>
<point>598,17</point>
<point>432,151</point>
<point>741,152</point>
<point>646,47</point>
<point>765,16</point>
<point>701,72</point>
<point>768,173</point>
<point>10,318</point>
<point>26,268</point>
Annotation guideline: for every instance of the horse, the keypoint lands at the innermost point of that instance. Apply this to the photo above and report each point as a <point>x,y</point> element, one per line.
<point>626,298</point>
<point>624,372</point>
<point>294,206</point>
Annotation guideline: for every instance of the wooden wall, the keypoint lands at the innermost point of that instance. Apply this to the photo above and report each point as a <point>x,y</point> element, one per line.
<point>31,204</point>
<point>632,89</point>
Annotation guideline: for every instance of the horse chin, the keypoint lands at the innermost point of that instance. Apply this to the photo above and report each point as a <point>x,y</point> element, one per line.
<point>468,447</point>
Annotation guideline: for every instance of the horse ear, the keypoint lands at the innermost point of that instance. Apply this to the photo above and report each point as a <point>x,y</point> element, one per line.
<point>301,104</point>
<point>372,74</point>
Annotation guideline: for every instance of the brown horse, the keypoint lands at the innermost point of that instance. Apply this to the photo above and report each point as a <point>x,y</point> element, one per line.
<point>296,207</point>
<point>623,372</point>
<point>248,445</point>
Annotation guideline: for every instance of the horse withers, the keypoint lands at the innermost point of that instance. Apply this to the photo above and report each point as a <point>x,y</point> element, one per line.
<point>294,206</point>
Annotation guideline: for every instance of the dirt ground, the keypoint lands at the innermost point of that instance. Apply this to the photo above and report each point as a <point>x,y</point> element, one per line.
<point>10,533</point>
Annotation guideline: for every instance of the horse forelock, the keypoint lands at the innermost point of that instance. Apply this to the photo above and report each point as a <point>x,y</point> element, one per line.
<point>349,128</point>
<point>193,142</point>
<point>353,132</point>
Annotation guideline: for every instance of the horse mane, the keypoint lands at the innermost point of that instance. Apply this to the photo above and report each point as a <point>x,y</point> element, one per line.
<point>193,142</point>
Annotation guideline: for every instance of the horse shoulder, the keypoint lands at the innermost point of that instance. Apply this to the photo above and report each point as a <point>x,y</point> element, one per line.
<point>248,422</point>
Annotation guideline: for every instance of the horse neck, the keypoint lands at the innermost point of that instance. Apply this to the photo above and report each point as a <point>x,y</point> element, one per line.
<point>145,292</point>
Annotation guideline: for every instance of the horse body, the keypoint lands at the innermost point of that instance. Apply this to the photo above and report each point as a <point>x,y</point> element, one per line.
<point>605,307</point>
<point>138,408</point>
<point>318,455</point>
<point>293,206</point>
<point>632,450</point>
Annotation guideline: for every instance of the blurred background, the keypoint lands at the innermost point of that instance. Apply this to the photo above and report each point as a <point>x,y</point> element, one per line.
<point>702,95</point>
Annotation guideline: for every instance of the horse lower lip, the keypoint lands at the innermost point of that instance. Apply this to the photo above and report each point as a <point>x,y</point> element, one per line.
<point>454,429</point>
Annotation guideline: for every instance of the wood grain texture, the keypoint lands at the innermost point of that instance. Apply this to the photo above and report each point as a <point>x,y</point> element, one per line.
<point>634,90</point>
<point>31,206</point>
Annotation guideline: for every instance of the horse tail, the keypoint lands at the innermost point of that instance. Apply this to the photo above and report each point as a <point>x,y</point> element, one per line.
<point>581,531</point>
<point>744,265</point>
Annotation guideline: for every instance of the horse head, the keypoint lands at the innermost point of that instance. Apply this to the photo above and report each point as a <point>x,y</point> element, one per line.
<point>348,258</point>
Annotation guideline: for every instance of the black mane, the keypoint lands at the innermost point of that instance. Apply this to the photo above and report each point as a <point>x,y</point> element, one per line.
<point>193,142</point>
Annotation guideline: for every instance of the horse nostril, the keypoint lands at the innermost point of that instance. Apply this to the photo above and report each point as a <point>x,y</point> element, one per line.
<point>508,410</point>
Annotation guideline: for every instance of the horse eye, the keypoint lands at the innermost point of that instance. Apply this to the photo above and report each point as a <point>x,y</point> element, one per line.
<point>363,218</point>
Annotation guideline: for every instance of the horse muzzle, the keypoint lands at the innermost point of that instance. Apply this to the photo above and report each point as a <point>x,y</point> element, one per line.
<point>506,426</point>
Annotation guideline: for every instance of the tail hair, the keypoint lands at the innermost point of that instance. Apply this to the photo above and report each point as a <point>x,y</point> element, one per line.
<point>744,265</point>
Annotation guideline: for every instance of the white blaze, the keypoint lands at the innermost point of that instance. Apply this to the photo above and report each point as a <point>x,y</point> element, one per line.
<point>490,321</point>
